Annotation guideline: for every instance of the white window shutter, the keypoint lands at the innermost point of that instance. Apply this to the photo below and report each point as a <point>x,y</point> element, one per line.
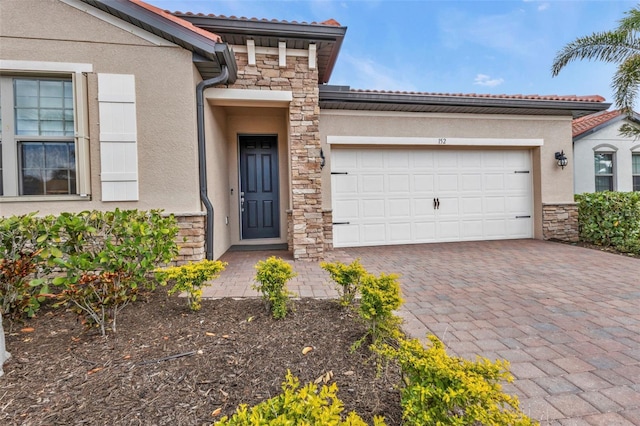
<point>118,137</point>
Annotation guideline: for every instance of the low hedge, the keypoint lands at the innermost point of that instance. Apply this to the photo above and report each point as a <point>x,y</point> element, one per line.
<point>610,219</point>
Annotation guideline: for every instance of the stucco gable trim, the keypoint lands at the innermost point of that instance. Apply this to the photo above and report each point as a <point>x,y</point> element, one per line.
<point>443,141</point>
<point>110,19</point>
<point>247,97</point>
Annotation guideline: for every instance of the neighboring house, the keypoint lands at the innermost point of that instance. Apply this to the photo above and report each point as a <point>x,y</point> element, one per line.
<point>604,159</point>
<point>229,124</point>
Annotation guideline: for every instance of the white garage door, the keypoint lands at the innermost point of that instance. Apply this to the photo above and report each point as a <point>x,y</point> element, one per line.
<point>404,196</point>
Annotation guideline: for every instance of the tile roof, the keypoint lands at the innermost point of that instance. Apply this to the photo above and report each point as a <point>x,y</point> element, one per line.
<point>588,122</point>
<point>187,25</point>
<point>329,22</point>
<point>590,98</point>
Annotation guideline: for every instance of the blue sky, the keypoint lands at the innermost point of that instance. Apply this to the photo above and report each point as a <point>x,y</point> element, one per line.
<point>449,46</point>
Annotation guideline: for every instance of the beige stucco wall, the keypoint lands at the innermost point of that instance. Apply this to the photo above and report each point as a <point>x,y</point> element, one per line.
<point>550,183</point>
<point>49,30</point>
<point>607,139</point>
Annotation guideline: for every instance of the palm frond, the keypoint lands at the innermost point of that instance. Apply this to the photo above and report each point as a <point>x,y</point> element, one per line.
<point>625,84</point>
<point>610,46</point>
<point>631,22</point>
<point>629,131</point>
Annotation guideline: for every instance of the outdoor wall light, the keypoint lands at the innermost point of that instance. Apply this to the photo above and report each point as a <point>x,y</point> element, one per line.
<point>561,159</point>
<point>321,159</point>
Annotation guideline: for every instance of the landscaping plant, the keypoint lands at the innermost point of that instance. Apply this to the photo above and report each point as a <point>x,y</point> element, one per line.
<point>347,278</point>
<point>294,406</point>
<point>23,260</point>
<point>380,297</point>
<point>107,259</point>
<point>610,219</point>
<point>271,280</point>
<point>191,278</point>
<point>444,390</point>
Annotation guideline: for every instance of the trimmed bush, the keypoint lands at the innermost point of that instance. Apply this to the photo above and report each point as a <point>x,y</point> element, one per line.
<point>444,390</point>
<point>610,219</point>
<point>347,277</point>
<point>24,251</point>
<point>271,280</point>
<point>306,406</point>
<point>380,297</point>
<point>190,278</point>
<point>107,257</point>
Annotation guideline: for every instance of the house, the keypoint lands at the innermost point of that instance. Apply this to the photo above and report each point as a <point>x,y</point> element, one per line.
<point>603,159</point>
<point>231,125</point>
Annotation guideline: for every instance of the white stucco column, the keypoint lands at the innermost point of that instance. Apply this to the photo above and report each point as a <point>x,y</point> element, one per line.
<point>4,355</point>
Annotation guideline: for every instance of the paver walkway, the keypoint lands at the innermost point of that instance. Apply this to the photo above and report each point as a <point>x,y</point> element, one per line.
<point>567,318</point>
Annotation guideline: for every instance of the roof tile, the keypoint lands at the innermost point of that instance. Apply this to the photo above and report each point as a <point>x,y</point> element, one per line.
<point>188,25</point>
<point>329,22</point>
<point>588,122</point>
<point>590,98</point>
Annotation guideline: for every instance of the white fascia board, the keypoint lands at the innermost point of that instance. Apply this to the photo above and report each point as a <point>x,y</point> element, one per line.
<point>130,28</point>
<point>248,97</point>
<point>42,66</point>
<point>422,141</point>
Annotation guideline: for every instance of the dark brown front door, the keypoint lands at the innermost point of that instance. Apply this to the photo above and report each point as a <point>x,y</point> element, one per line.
<point>259,198</point>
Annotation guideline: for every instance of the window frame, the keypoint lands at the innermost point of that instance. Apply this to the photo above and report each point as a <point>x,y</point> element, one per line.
<point>9,142</point>
<point>634,175</point>
<point>611,175</point>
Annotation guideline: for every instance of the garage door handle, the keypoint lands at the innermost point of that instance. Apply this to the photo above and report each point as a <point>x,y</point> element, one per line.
<point>438,201</point>
<point>523,217</point>
<point>339,173</point>
<point>341,223</point>
<point>434,204</point>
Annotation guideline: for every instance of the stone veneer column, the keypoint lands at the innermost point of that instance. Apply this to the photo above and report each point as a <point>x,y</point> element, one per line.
<point>560,222</point>
<point>306,226</point>
<point>190,238</point>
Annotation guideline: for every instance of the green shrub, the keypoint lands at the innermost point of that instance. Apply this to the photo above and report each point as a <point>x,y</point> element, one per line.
<point>271,280</point>
<point>380,297</point>
<point>610,219</point>
<point>190,278</point>
<point>107,257</point>
<point>295,406</point>
<point>23,260</point>
<point>444,390</point>
<point>347,278</point>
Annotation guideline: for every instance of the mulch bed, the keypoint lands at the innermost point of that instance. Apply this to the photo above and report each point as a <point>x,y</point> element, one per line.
<point>168,366</point>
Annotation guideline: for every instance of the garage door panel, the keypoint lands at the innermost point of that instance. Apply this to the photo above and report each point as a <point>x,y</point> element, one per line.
<point>423,207</point>
<point>373,209</point>
<point>423,183</point>
<point>371,159</point>
<point>399,183</point>
<point>346,235</point>
<point>399,233</point>
<point>494,205</point>
<point>447,182</point>
<point>472,206</point>
<point>423,159</point>
<point>373,233</point>
<point>424,231</point>
<point>399,207</point>
<point>346,209</point>
<point>471,182</point>
<point>398,160</point>
<point>344,184</point>
<point>387,195</point>
<point>494,182</point>
<point>372,184</point>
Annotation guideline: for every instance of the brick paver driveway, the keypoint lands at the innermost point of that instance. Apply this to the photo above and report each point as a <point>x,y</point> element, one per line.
<point>567,318</point>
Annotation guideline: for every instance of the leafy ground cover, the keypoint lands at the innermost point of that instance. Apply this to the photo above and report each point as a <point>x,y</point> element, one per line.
<point>167,365</point>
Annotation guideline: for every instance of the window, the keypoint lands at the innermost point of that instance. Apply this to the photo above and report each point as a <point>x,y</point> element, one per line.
<point>38,146</point>
<point>604,171</point>
<point>635,170</point>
